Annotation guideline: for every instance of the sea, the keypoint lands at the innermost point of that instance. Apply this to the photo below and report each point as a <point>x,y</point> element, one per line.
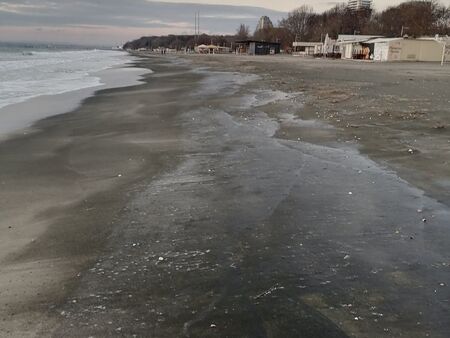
<point>28,71</point>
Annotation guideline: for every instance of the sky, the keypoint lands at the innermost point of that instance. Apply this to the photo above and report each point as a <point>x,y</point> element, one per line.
<point>113,22</point>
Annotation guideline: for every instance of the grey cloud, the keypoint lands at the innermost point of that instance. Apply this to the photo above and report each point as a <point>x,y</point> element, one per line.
<point>133,13</point>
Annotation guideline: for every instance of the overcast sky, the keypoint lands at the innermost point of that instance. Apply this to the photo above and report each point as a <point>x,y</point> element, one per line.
<point>110,22</point>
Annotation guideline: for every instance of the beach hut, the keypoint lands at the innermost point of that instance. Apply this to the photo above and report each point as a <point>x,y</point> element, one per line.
<point>300,48</point>
<point>407,49</point>
<point>352,46</point>
<point>326,48</point>
<point>202,49</point>
<point>223,50</point>
<point>252,47</point>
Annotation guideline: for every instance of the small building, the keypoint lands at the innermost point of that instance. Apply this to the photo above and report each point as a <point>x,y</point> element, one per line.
<point>326,48</point>
<point>223,50</point>
<point>407,49</point>
<point>212,49</point>
<point>307,48</point>
<point>252,47</point>
<point>205,49</point>
<point>353,46</point>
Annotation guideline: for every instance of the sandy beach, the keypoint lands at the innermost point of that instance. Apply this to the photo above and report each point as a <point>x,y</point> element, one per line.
<point>230,196</point>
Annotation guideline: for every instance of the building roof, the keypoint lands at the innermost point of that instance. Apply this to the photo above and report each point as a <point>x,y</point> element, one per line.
<point>347,38</point>
<point>306,44</point>
<point>256,41</point>
<point>382,40</point>
<point>435,38</point>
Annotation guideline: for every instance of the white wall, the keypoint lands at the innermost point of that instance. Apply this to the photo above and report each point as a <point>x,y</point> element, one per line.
<point>347,51</point>
<point>410,50</point>
<point>381,51</point>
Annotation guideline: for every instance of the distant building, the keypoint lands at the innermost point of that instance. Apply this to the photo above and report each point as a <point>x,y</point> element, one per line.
<point>212,49</point>
<point>301,48</point>
<point>367,47</point>
<point>252,47</point>
<point>352,46</point>
<point>401,49</point>
<point>264,23</point>
<point>357,5</point>
<point>326,48</point>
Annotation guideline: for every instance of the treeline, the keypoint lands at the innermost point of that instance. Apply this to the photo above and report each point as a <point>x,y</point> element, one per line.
<point>179,42</point>
<point>415,18</point>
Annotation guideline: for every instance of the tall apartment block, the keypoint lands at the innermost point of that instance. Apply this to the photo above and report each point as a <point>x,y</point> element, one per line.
<point>356,5</point>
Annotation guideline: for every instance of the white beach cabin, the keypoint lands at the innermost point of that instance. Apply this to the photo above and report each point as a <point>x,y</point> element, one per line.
<point>407,49</point>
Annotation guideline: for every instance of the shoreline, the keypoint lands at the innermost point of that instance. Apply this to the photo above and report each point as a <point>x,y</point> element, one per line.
<point>204,202</point>
<point>49,231</point>
<point>19,117</point>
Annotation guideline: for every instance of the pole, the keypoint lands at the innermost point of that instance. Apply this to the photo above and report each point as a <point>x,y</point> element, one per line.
<point>198,25</point>
<point>195,30</point>
<point>443,53</point>
<point>401,34</point>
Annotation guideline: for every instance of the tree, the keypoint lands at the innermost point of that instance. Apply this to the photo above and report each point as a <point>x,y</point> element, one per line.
<point>243,32</point>
<point>441,18</point>
<point>298,22</point>
<point>420,18</point>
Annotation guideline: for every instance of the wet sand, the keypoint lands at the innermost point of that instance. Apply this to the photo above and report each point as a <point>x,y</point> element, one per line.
<point>250,199</point>
<point>19,118</point>
<point>383,109</point>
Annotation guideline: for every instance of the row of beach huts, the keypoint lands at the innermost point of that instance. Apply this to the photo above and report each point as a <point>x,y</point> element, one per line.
<point>350,47</point>
<point>378,48</point>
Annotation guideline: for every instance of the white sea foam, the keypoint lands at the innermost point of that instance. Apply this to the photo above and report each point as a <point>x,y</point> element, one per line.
<point>24,75</point>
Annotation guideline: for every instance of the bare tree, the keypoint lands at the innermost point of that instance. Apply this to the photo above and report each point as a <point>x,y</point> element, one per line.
<point>298,21</point>
<point>421,17</point>
<point>441,16</point>
<point>243,32</point>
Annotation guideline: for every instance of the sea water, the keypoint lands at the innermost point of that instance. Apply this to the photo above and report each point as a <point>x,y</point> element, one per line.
<point>31,71</point>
